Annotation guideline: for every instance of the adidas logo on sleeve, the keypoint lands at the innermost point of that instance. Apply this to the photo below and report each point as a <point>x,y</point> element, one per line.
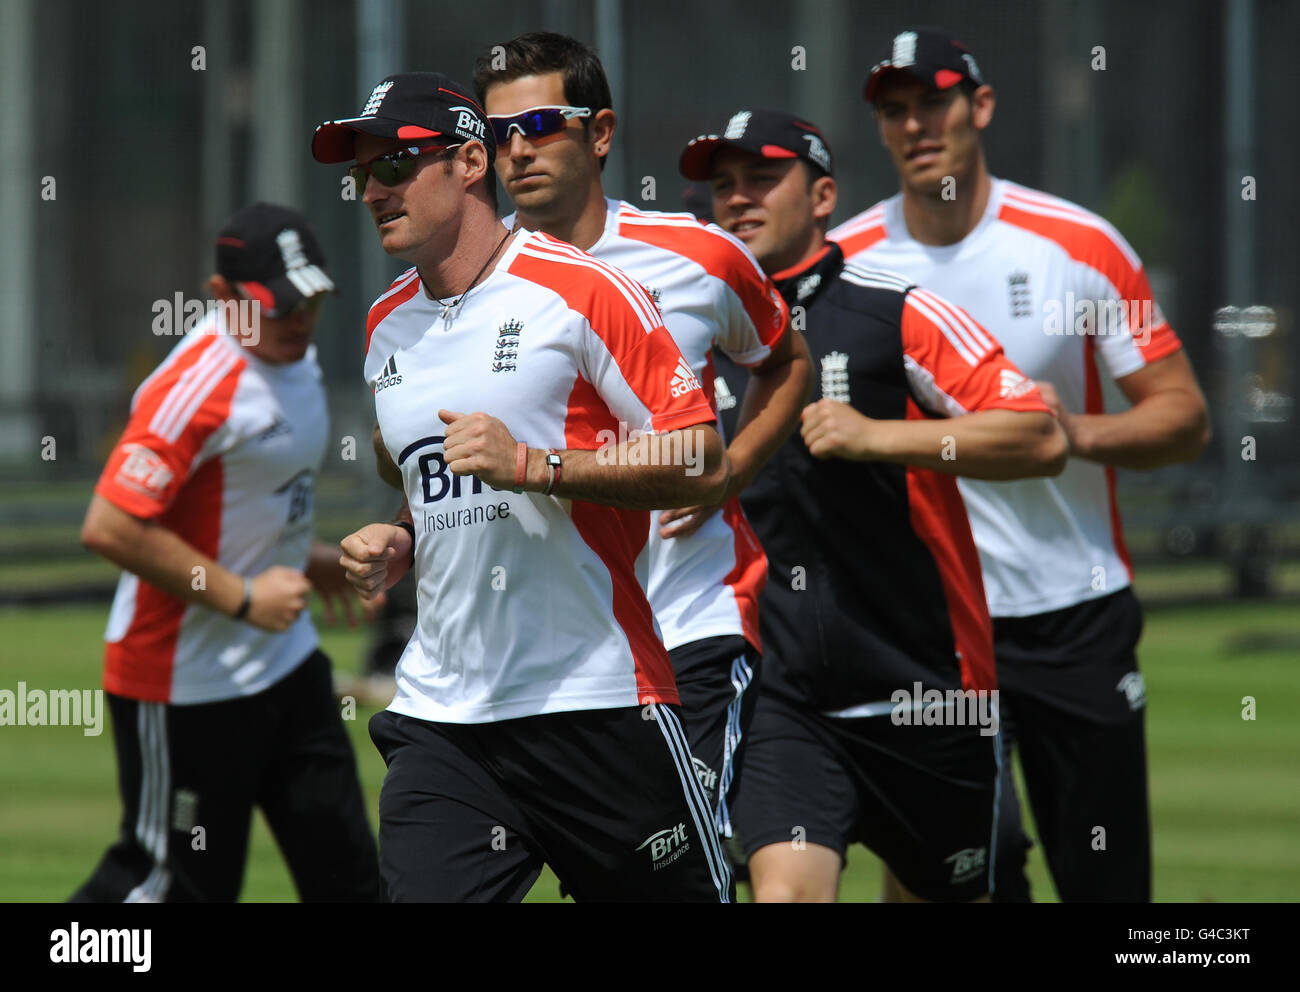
<point>684,379</point>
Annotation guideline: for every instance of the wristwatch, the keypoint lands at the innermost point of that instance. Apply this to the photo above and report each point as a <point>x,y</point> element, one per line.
<point>556,465</point>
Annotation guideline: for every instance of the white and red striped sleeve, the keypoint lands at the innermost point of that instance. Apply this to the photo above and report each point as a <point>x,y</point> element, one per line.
<point>755,316</point>
<point>1131,330</point>
<point>954,365</point>
<point>859,233</point>
<point>173,415</point>
<point>628,356</point>
<point>403,288</point>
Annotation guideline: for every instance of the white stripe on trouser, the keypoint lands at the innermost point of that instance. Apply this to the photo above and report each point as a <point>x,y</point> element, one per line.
<point>997,802</point>
<point>741,677</point>
<point>696,801</point>
<point>155,787</point>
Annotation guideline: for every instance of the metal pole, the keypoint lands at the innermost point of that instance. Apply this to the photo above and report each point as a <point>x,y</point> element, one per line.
<point>609,45</point>
<point>216,176</point>
<point>277,96</point>
<point>20,196</point>
<point>1241,496</point>
<point>379,54</point>
<point>1239,149</point>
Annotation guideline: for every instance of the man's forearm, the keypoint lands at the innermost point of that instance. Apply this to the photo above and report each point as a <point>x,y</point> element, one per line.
<point>164,560</point>
<point>769,414</point>
<point>1168,427</point>
<point>654,472</point>
<point>989,444</point>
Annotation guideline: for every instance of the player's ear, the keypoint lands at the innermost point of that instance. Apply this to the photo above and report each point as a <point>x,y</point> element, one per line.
<point>824,194</point>
<point>602,131</point>
<point>982,103</point>
<point>477,165</point>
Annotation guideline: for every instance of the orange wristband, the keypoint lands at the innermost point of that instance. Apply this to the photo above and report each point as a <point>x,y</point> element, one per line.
<point>521,466</point>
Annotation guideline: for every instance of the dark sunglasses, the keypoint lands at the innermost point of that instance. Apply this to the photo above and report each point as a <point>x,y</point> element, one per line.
<point>535,122</point>
<point>303,307</point>
<point>395,167</point>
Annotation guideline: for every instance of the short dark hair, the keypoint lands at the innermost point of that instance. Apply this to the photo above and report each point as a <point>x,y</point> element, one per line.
<point>540,52</point>
<point>812,172</point>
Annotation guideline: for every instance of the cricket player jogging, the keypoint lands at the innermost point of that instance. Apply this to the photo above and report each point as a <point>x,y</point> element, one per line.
<point>1062,290</point>
<point>536,719</point>
<point>221,699</point>
<point>549,107</point>
<point>873,605</point>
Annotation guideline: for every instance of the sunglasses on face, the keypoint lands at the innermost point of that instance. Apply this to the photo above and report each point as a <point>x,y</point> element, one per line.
<point>395,167</point>
<point>536,122</point>
<point>303,308</point>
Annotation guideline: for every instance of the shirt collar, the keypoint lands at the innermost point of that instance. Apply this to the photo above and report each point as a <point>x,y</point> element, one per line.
<point>800,284</point>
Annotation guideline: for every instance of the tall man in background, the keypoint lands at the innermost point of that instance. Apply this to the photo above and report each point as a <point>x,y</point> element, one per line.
<point>221,699</point>
<point>549,107</point>
<point>1060,288</point>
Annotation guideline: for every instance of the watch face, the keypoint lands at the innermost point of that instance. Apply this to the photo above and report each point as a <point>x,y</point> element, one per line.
<point>553,459</point>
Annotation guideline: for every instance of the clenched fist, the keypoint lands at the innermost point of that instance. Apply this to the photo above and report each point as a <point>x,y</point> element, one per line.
<point>375,558</point>
<point>279,595</point>
<point>835,430</point>
<point>479,445</point>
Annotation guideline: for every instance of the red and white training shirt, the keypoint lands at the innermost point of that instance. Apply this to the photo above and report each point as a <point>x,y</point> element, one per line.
<point>1058,287</point>
<point>529,604</point>
<point>710,290</point>
<point>221,449</point>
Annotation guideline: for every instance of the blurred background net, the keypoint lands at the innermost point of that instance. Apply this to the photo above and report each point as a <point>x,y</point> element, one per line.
<point>132,129</point>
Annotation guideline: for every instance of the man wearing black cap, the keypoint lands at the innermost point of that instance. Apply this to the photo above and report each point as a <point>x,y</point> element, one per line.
<point>221,699</point>
<point>1060,288</point>
<point>536,718</point>
<point>706,568</point>
<point>873,609</point>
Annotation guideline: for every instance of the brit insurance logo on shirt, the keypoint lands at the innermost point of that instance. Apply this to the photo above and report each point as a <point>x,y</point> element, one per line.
<point>967,864</point>
<point>144,471</point>
<point>438,483</point>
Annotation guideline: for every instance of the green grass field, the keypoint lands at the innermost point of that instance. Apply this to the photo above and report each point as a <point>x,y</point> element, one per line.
<point>1225,790</point>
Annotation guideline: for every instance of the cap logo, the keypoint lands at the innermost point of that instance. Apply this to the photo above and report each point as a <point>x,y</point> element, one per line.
<point>376,98</point>
<point>904,49</point>
<point>736,126</point>
<point>818,152</point>
<point>972,69</point>
<point>469,124</point>
<point>305,277</point>
<point>291,249</point>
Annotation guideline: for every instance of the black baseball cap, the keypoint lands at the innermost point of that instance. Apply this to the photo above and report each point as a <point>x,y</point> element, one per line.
<point>932,55</point>
<point>271,255</point>
<point>769,133</point>
<point>408,105</point>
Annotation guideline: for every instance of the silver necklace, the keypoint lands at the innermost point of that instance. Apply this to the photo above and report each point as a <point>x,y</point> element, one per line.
<point>449,309</point>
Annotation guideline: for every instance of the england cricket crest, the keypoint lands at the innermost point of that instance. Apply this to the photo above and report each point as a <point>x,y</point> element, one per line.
<point>835,377</point>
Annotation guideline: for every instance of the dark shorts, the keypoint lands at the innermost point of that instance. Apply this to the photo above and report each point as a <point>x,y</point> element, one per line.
<point>921,797</point>
<point>608,798</point>
<point>191,775</point>
<point>717,681</point>
<point>1074,705</point>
